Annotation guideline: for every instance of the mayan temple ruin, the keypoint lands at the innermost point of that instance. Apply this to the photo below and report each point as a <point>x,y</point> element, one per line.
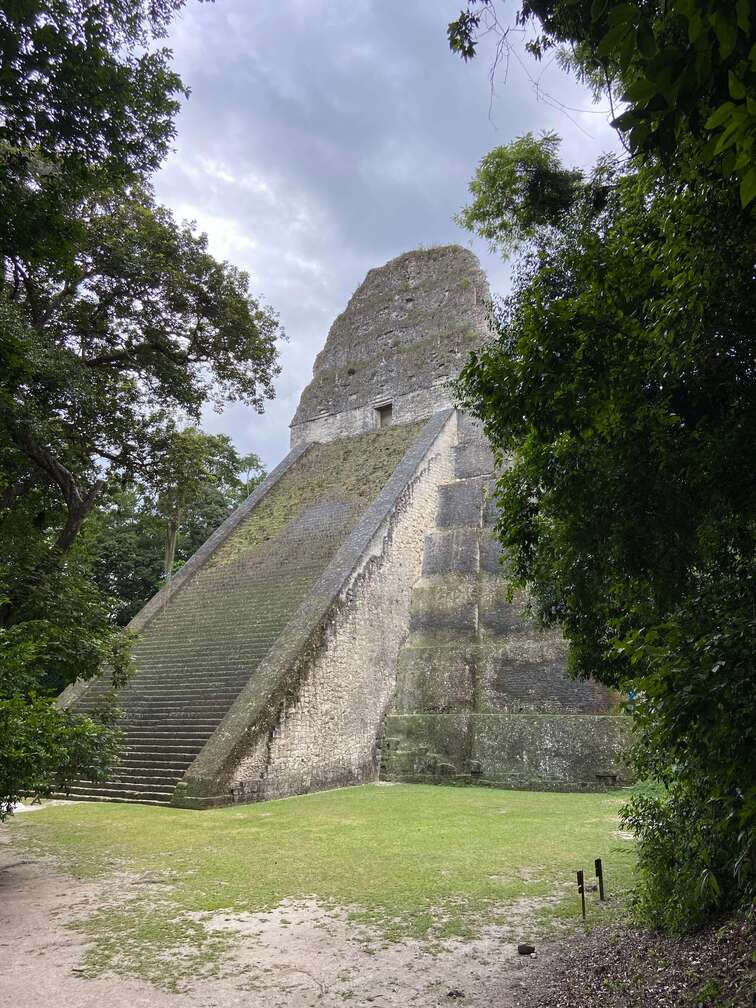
<point>350,621</point>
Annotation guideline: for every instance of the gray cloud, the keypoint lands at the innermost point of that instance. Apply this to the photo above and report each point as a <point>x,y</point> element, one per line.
<point>323,137</point>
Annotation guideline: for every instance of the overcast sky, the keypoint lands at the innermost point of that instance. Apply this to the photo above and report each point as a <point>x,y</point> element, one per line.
<point>324,137</point>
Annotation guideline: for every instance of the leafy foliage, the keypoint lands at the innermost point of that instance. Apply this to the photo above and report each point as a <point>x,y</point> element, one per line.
<point>683,68</point>
<point>518,189</point>
<point>60,629</point>
<point>622,384</point>
<point>115,321</point>
<point>86,106</point>
<point>43,749</point>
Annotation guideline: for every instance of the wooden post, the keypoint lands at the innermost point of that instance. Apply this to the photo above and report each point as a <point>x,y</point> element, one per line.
<point>600,876</point>
<point>581,889</point>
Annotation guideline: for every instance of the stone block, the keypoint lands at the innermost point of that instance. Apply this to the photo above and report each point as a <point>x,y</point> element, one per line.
<point>436,679</point>
<point>490,554</point>
<point>454,551</point>
<point>469,428</point>
<point>517,675</point>
<point>557,752</point>
<point>473,458</point>
<point>460,504</point>
<point>444,604</point>
<point>491,510</point>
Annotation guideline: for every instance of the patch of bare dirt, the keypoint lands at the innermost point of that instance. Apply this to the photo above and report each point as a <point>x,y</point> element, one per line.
<point>296,956</point>
<point>305,955</point>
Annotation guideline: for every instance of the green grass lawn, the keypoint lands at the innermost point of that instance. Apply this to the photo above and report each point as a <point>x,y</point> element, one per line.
<point>409,860</point>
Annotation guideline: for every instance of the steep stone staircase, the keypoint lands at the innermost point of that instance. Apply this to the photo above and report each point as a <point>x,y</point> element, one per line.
<point>193,658</point>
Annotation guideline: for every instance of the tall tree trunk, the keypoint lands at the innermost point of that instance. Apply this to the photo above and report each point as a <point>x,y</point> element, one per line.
<point>171,535</point>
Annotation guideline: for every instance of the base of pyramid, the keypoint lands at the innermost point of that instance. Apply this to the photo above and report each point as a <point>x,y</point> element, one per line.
<point>539,752</point>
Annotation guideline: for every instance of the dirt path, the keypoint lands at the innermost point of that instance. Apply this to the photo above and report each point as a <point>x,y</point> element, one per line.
<point>297,956</point>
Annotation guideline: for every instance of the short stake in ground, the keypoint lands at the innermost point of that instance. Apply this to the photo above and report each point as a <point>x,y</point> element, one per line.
<point>581,890</point>
<point>599,868</point>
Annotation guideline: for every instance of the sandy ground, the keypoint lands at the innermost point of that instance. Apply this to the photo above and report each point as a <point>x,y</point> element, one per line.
<point>297,956</point>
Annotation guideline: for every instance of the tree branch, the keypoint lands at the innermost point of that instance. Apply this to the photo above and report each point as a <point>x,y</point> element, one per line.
<point>78,503</point>
<point>131,355</point>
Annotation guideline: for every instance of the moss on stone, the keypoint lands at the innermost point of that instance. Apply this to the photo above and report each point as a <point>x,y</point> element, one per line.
<point>350,471</point>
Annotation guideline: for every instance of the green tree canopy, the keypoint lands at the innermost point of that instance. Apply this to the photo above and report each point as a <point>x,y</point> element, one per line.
<point>143,324</point>
<point>153,525</point>
<point>87,105</point>
<point>115,324</point>
<point>621,382</point>
<point>680,69</point>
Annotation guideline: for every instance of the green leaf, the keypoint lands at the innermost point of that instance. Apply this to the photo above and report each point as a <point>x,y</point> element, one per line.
<point>645,40</point>
<point>626,120</point>
<point>641,90</point>
<point>613,38</point>
<point>727,137</point>
<point>638,136</point>
<point>720,115</point>
<point>743,15</point>
<point>726,29</point>
<point>695,27</point>
<point>748,187</point>
<point>622,14</point>
<point>737,87</point>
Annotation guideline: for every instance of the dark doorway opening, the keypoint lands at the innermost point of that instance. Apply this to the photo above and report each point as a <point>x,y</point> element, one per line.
<point>383,415</point>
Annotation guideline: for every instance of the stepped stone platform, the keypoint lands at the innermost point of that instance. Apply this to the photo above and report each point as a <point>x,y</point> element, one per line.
<point>351,617</point>
<point>482,693</point>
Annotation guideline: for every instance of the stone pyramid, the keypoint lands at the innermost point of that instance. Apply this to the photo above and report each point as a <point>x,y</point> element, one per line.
<point>350,619</point>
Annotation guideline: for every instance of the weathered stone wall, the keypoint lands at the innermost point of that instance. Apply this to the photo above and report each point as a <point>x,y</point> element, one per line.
<point>328,735</point>
<point>482,691</point>
<point>548,752</point>
<point>406,409</point>
<point>406,331</point>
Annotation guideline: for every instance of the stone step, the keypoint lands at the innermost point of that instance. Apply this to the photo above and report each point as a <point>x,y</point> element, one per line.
<point>156,796</point>
<point>229,665</point>
<point>235,629</point>
<point>211,701</point>
<point>178,645</point>
<point>166,730</point>
<point>199,615</point>
<point>162,762</point>
<point>179,649</point>
<point>151,676</point>
<point>157,778</point>
<point>177,706</point>
<point>169,752</point>
<point>144,766</point>
<point>61,795</point>
<point>136,762</point>
<point>183,693</point>
<point>235,622</point>
<point>117,787</point>
<point>191,741</point>
<point>186,731</point>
